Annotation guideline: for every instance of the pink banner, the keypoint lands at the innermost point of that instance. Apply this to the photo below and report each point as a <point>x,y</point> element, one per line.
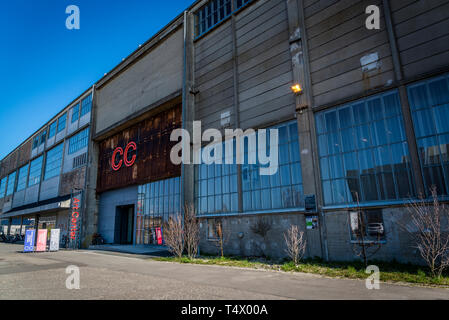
<point>41,244</point>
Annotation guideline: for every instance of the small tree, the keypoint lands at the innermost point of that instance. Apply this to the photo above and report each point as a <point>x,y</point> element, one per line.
<point>174,235</point>
<point>296,243</point>
<point>430,237</point>
<point>191,231</point>
<point>222,236</point>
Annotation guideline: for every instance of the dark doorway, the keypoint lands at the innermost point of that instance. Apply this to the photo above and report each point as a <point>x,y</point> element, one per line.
<point>124,224</point>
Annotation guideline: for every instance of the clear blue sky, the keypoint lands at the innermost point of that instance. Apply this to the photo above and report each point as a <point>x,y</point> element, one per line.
<point>44,66</point>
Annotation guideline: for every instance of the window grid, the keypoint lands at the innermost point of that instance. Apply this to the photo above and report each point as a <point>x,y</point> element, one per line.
<point>216,186</point>
<point>52,130</point>
<point>283,189</point>
<point>53,162</point>
<point>62,122</point>
<point>429,103</point>
<point>3,187</point>
<point>35,171</point>
<point>78,141</point>
<point>75,112</point>
<point>43,137</point>
<point>22,180</point>
<point>363,151</point>
<point>214,12</point>
<point>86,105</point>
<point>157,202</point>
<point>36,142</point>
<point>11,183</point>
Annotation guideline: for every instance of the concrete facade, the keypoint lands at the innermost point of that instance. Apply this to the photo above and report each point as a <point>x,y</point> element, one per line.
<point>239,73</point>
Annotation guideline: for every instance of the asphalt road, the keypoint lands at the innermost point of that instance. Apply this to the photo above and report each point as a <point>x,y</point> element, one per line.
<point>105,275</point>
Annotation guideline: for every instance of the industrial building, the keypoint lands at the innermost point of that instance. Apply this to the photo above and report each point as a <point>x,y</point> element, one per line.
<point>362,115</point>
<point>40,177</point>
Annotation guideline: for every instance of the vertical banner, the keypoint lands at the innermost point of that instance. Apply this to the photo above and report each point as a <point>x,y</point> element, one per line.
<point>159,235</point>
<point>29,240</point>
<point>41,244</point>
<point>54,239</point>
<point>74,221</point>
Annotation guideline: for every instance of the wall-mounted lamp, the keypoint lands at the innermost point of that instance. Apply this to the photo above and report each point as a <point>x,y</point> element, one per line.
<point>296,88</point>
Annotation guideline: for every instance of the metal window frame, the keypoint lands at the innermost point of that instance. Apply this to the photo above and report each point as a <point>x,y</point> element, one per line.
<point>371,148</point>
<point>430,106</point>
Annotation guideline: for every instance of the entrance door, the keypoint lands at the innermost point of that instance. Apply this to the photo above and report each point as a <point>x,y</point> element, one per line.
<point>124,225</point>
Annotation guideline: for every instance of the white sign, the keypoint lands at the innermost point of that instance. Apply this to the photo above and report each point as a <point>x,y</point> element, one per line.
<point>54,239</point>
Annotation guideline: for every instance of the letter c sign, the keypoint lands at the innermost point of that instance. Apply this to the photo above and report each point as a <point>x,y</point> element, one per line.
<point>119,152</point>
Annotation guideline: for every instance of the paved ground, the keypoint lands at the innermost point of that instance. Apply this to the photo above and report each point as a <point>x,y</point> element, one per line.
<point>120,276</point>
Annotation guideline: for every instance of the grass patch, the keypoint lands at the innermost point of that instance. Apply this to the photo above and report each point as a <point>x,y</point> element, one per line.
<point>389,271</point>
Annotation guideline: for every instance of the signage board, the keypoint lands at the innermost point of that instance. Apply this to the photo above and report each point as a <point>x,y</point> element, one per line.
<point>41,243</point>
<point>74,221</point>
<point>312,222</point>
<point>54,239</point>
<point>159,235</point>
<point>29,240</point>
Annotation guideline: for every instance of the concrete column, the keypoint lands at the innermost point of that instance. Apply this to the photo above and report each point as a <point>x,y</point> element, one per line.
<point>36,226</point>
<point>188,109</point>
<point>8,232</point>
<point>306,123</point>
<point>21,225</point>
<point>89,222</point>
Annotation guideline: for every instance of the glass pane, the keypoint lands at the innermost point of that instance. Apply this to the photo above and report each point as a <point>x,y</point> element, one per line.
<point>348,139</point>
<point>345,117</point>
<point>392,104</point>
<point>375,109</point>
<point>423,121</point>
<point>439,91</point>
<point>442,118</point>
<point>418,97</point>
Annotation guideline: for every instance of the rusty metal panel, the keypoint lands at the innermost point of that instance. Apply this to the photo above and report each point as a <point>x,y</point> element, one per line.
<point>9,164</point>
<point>71,180</point>
<point>152,138</point>
<point>25,153</point>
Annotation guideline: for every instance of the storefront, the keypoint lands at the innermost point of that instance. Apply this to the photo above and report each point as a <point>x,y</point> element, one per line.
<point>139,187</point>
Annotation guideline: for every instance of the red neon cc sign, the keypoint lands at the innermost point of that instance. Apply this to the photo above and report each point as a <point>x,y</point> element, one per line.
<point>119,151</point>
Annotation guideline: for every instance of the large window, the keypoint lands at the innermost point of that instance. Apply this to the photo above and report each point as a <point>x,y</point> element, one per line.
<point>363,151</point>
<point>86,105</point>
<point>79,141</point>
<point>53,162</point>
<point>22,180</point>
<point>11,184</point>
<point>214,12</point>
<point>283,189</point>
<point>157,202</point>
<point>75,112</point>
<point>3,187</point>
<point>52,130</point>
<point>429,103</point>
<point>62,122</point>
<point>35,171</point>
<point>216,186</point>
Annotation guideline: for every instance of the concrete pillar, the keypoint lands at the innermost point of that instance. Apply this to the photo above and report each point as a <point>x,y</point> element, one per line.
<point>36,226</point>
<point>21,225</point>
<point>306,124</point>
<point>89,222</point>
<point>8,232</point>
<point>188,109</point>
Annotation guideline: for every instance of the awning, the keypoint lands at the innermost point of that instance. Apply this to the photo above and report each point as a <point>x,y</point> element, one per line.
<point>48,206</point>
